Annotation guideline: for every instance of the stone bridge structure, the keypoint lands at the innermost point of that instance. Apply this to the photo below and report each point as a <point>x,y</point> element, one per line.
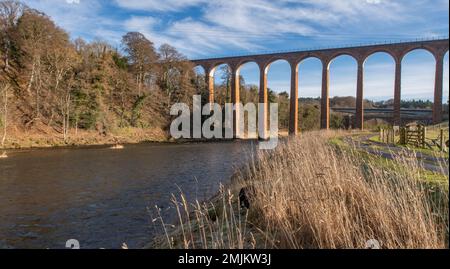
<point>438,48</point>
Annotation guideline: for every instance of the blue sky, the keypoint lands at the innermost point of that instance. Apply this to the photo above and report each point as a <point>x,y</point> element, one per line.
<point>206,28</point>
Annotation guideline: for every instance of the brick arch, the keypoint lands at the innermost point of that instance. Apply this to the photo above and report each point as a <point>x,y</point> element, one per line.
<point>310,56</point>
<point>274,59</point>
<point>213,67</point>
<point>243,62</point>
<point>342,53</point>
<point>410,49</point>
<point>389,52</point>
<point>217,64</point>
<point>295,90</point>
<point>430,54</point>
<point>392,87</point>
<point>307,57</point>
<point>265,66</point>
<point>200,65</point>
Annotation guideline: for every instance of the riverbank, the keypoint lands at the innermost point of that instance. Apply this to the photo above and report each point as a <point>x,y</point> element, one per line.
<point>314,194</point>
<point>50,139</point>
<point>39,140</point>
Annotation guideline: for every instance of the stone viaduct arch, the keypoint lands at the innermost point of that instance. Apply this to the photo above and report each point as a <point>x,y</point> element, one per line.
<point>438,48</point>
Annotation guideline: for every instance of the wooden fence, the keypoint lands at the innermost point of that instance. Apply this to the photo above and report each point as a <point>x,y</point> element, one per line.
<point>416,136</point>
<point>387,136</point>
<point>441,141</point>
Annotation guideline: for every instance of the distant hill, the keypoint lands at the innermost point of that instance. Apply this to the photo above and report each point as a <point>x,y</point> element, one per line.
<point>350,102</point>
<point>338,102</point>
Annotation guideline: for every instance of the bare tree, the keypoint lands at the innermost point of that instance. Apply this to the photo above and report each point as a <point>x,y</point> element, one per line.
<point>4,88</point>
<point>10,12</point>
<point>177,77</point>
<point>36,33</point>
<point>141,55</point>
<point>63,66</point>
<point>62,59</point>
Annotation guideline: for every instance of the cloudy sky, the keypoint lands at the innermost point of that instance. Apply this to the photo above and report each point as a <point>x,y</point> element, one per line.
<point>207,28</point>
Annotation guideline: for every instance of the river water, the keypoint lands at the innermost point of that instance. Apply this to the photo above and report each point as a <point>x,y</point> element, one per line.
<point>104,198</point>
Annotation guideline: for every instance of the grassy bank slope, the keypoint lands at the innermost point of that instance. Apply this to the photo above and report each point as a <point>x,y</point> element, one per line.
<point>310,193</point>
<point>49,138</point>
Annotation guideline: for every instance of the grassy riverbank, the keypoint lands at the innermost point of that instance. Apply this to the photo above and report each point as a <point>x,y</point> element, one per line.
<point>310,193</point>
<point>48,138</point>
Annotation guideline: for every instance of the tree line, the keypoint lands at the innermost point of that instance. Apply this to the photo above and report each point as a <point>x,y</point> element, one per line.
<point>59,84</point>
<point>56,85</point>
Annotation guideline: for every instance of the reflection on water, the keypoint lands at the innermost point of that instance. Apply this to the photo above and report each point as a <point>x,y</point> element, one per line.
<point>104,197</point>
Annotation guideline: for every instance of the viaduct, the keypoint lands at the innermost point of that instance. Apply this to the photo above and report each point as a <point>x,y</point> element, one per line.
<point>438,48</point>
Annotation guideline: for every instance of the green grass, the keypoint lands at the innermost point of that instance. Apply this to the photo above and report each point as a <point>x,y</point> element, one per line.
<point>388,164</point>
<point>338,141</point>
<point>375,138</point>
<point>393,166</point>
<point>432,152</point>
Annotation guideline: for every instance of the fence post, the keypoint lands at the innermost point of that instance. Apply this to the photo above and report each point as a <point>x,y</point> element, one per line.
<point>441,141</point>
<point>403,136</point>
<point>423,136</point>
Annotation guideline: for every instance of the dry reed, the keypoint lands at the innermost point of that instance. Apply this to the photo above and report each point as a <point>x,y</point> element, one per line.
<point>311,194</point>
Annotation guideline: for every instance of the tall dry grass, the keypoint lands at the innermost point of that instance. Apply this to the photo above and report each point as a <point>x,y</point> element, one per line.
<point>310,194</point>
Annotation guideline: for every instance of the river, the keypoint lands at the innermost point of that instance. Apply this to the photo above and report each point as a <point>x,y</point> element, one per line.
<point>102,197</point>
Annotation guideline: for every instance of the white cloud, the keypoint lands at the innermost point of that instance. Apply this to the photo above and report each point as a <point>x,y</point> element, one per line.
<point>136,23</point>
<point>188,35</point>
<point>251,24</point>
<point>81,18</point>
<point>158,5</point>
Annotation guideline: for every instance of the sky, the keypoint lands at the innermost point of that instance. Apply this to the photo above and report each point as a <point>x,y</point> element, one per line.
<point>206,28</point>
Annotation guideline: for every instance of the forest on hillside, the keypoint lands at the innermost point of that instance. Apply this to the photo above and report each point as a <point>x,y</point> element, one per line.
<point>58,91</point>
<point>55,88</point>
<point>53,85</point>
